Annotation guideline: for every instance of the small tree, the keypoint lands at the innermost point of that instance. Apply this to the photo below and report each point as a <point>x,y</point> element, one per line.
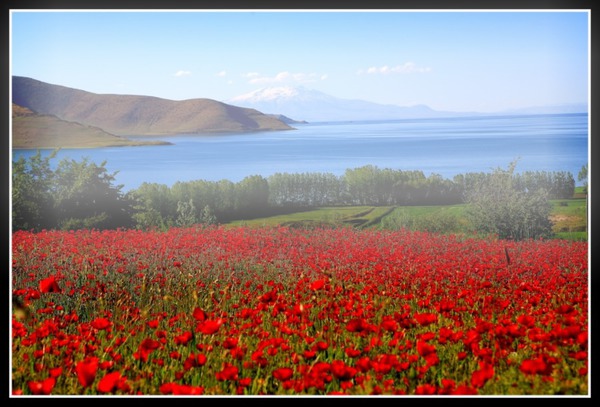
<point>582,176</point>
<point>208,216</point>
<point>186,214</point>
<point>497,207</point>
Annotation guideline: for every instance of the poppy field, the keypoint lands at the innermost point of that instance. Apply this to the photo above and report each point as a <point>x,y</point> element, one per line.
<point>282,311</point>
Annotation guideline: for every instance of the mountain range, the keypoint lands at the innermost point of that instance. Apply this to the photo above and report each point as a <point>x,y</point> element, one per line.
<point>133,115</point>
<point>313,106</point>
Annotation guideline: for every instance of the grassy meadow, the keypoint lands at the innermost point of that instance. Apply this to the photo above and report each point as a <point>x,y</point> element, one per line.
<point>569,218</point>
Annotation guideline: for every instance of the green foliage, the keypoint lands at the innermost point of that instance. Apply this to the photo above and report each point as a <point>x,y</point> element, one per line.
<point>84,195</point>
<point>75,195</point>
<point>582,176</point>
<point>186,214</point>
<point>439,220</point>
<point>496,206</point>
<point>32,200</point>
<point>208,216</point>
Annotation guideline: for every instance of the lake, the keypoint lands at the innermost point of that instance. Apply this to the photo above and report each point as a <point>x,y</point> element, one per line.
<point>443,146</point>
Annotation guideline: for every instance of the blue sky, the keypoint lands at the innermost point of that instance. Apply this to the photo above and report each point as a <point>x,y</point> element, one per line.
<point>449,60</point>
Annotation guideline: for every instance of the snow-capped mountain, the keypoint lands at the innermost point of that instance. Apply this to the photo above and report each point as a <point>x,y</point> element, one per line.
<point>301,103</point>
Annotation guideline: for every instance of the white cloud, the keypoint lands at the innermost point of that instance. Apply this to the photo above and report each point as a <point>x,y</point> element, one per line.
<point>406,68</point>
<point>255,78</point>
<point>180,73</point>
<point>222,73</point>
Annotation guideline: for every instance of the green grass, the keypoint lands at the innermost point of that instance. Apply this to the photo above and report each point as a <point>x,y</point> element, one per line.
<point>569,217</point>
<point>335,216</point>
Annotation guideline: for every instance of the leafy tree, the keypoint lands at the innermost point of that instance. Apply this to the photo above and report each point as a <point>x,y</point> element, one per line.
<point>497,207</point>
<point>85,197</point>
<point>154,206</point>
<point>32,200</point>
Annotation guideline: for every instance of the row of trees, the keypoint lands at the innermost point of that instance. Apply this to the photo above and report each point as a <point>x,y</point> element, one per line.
<point>82,195</point>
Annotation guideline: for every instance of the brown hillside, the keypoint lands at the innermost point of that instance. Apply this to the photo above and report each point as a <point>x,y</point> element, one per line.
<point>138,115</point>
<point>30,130</point>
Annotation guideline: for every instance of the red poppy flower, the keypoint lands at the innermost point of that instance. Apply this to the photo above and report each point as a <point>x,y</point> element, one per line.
<point>426,319</point>
<point>100,323</point>
<point>49,285</point>
<point>209,327</point>
<point>43,387</point>
<point>109,382</point>
<point>481,376</point>
<point>199,314</point>
<point>184,338</point>
<point>357,325</point>
<point>146,348</point>
<point>342,371</point>
<point>86,371</point>
<point>229,372</point>
<point>56,371</point>
<point>317,285</point>
<point>283,373</point>
<point>425,389</point>
<point>533,366</point>
<point>424,348</point>
<point>352,353</point>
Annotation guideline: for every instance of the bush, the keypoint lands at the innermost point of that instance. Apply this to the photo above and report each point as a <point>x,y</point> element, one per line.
<point>497,207</point>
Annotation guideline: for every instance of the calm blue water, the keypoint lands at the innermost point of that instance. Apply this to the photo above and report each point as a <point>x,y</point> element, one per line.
<point>442,146</point>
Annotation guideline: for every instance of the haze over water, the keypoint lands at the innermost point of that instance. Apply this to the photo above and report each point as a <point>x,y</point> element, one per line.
<point>443,146</point>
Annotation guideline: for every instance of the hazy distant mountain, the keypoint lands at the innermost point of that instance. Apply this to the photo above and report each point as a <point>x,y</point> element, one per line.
<point>314,106</point>
<point>553,109</point>
<point>126,115</point>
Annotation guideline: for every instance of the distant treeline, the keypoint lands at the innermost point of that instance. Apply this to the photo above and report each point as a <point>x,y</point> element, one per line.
<point>256,196</point>
<point>82,194</point>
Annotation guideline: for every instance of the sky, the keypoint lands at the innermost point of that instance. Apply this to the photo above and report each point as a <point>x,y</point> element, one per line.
<point>480,61</point>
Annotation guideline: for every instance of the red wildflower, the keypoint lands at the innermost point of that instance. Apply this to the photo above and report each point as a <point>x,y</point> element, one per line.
<point>481,376</point>
<point>56,371</point>
<point>209,327</point>
<point>283,373</point>
<point>352,353</point>
<point>184,338</point>
<point>42,388</point>
<point>146,348</point>
<point>424,348</point>
<point>534,366</point>
<point>269,296</point>
<point>180,389</point>
<point>230,343</point>
<point>101,323</point>
<point>49,285</point>
<point>109,382</point>
<point>200,359</point>
<point>357,325</point>
<point>86,371</point>
<point>342,371</point>
<point>425,389</point>
<point>318,284</point>
<point>229,372</point>
<point>426,319</point>
<point>389,325</point>
<point>199,314</point>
